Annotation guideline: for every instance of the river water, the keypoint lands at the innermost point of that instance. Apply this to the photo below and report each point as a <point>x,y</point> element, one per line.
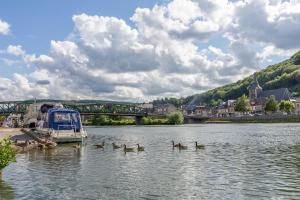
<point>240,161</point>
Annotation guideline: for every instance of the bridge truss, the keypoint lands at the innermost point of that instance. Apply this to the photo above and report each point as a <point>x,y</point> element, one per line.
<point>85,107</point>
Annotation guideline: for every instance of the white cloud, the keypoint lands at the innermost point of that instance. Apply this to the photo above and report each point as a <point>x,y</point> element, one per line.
<point>4,27</point>
<point>15,50</point>
<point>165,53</point>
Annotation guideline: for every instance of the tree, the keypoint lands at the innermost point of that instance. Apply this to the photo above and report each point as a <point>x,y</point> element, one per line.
<point>271,104</point>
<point>175,118</point>
<point>7,154</point>
<point>286,106</point>
<point>242,104</point>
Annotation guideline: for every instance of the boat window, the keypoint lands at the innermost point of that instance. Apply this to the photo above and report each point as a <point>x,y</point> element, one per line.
<point>62,117</point>
<point>74,116</point>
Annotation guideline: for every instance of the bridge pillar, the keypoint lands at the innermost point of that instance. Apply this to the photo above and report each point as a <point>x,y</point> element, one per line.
<point>138,120</point>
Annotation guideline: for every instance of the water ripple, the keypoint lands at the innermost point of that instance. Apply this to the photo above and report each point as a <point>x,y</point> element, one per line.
<point>240,161</point>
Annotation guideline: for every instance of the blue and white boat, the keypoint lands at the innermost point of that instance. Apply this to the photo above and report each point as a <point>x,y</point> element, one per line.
<point>64,125</point>
<point>55,122</point>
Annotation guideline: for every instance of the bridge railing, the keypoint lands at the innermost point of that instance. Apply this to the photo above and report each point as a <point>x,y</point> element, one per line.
<point>20,107</point>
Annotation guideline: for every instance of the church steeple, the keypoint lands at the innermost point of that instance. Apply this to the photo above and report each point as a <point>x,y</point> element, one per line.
<point>254,88</point>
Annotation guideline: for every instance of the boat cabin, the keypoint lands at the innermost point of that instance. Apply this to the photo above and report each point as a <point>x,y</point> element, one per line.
<point>61,119</point>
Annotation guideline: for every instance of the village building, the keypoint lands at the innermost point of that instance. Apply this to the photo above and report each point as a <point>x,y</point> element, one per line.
<point>296,102</point>
<point>226,108</point>
<point>200,110</point>
<point>258,96</point>
<point>164,108</point>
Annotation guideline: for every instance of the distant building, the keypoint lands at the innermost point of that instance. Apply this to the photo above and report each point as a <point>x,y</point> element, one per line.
<point>146,106</point>
<point>164,108</point>
<point>226,108</point>
<point>200,110</point>
<point>258,96</point>
<point>296,102</point>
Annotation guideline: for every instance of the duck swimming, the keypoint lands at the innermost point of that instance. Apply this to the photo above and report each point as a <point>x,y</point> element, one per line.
<point>99,146</point>
<point>175,145</point>
<point>199,146</point>
<point>128,149</point>
<point>77,146</point>
<point>140,148</point>
<point>181,147</point>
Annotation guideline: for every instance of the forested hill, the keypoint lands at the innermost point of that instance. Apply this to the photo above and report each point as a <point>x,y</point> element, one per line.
<point>284,74</point>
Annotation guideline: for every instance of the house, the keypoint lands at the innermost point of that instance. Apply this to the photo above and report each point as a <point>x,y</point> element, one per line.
<point>164,108</point>
<point>258,97</point>
<point>226,108</point>
<point>296,102</point>
<point>200,110</point>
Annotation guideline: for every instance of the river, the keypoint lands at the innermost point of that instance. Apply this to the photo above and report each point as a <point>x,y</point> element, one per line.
<point>240,161</point>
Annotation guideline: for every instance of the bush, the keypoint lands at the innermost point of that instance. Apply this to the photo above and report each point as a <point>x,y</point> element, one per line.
<point>286,106</point>
<point>175,118</point>
<point>7,153</point>
<point>242,104</point>
<point>271,104</point>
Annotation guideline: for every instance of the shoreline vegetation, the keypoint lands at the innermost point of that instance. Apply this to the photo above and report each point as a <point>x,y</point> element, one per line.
<point>174,118</point>
<point>261,119</point>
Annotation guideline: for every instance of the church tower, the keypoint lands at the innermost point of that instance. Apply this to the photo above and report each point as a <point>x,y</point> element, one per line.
<point>254,89</point>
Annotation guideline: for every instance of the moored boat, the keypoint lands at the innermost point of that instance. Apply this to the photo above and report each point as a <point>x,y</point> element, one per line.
<point>54,122</point>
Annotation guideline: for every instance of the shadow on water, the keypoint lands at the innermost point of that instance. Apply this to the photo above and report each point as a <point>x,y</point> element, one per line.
<point>6,191</point>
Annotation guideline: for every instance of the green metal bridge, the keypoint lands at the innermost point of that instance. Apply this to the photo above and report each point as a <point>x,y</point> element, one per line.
<point>85,107</point>
<point>93,107</point>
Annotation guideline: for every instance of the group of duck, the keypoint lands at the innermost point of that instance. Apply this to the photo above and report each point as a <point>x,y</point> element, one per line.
<point>184,147</point>
<point>141,148</point>
<point>125,148</point>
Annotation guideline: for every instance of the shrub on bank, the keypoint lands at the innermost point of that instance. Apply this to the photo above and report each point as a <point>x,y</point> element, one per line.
<point>7,154</point>
<point>153,121</point>
<point>103,120</point>
<point>175,118</point>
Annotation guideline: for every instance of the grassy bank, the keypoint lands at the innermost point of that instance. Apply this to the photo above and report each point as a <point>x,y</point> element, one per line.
<point>103,120</point>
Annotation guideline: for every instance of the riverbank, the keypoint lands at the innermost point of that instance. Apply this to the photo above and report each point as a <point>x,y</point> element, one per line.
<point>257,119</point>
<point>9,132</point>
<point>15,134</point>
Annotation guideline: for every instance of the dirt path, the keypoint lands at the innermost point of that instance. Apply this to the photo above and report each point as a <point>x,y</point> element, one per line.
<point>6,132</point>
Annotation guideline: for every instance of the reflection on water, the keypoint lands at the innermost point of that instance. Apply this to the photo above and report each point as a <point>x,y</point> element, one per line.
<point>252,161</point>
<point>6,191</point>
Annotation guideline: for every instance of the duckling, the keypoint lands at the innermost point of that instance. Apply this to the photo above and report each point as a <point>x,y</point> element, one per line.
<point>41,146</point>
<point>199,146</point>
<point>50,145</point>
<point>99,146</point>
<point>175,145</point>
<point>115,146</point>
<point>182,147</point>
<point>77,146</point>
<point>140,148</point>
<point>128,149</point>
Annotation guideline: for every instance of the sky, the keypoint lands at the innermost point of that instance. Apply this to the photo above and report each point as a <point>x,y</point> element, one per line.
<point>139,50</point>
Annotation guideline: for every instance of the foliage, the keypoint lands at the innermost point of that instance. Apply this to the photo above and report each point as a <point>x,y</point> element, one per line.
<point>103,120</point>
<point>175,118</point>
<point>7,153</point>
<point>175,101</point>
<point>242,104</point>
<point>214,103</point>
<point>286,106</point>
<point>2,118</point>
<point>271,104</point>
<point>284,74</point>
<point>153,121</point>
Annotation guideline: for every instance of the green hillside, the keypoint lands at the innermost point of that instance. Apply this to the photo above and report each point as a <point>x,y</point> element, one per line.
<point>284,74</point>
